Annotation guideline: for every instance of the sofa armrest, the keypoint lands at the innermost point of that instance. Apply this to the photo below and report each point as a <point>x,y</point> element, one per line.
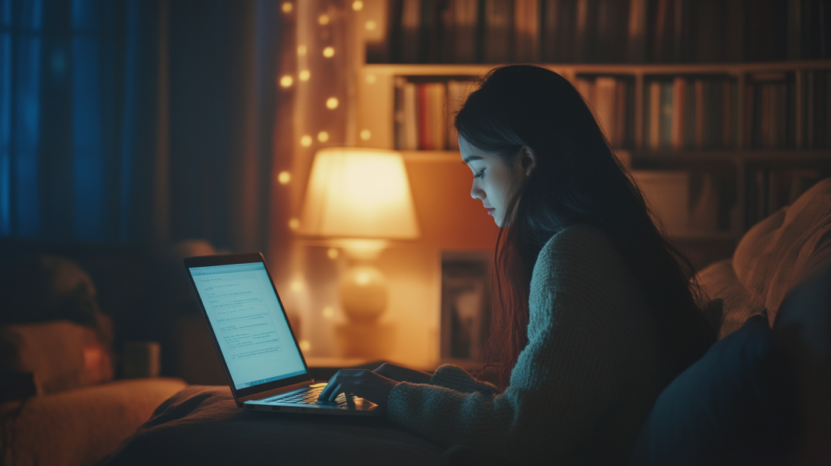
<point>79,427</point>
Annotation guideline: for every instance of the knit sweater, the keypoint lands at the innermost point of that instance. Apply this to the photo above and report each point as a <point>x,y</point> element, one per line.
<point>580,389</point>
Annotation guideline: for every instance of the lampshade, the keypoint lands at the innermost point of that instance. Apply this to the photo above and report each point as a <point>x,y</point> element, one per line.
<point>358,193</point>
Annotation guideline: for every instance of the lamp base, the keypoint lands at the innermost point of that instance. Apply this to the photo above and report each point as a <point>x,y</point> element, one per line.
<point>370,340</point>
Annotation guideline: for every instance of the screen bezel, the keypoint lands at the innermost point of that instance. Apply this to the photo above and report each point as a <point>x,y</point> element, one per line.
<point>233,259</point>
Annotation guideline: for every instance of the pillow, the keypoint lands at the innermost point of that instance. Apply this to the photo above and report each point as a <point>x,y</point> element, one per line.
<point>727,408</point>
<point>719,281</point>
<point>782,250</point>
<point>60,355</point>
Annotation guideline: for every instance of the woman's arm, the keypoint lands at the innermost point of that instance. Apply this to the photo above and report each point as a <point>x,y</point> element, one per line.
<point>402,374</point>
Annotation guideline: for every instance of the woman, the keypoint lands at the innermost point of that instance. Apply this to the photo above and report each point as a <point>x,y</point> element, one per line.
<point>595,312</point>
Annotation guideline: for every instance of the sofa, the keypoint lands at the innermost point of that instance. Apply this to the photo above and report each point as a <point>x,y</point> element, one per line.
<point>761,395</point>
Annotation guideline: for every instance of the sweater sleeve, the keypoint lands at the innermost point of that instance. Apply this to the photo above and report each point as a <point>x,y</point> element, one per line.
<point>565,381</point>
<point>455,378</point>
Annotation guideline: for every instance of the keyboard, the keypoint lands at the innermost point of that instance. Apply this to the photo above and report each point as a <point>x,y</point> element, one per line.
<point>308,396</point>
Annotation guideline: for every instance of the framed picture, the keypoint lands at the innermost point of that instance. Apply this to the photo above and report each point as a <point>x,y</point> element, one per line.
<point>465,306</point>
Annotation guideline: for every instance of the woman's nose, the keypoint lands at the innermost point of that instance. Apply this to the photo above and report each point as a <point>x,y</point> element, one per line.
<point>476,192</point>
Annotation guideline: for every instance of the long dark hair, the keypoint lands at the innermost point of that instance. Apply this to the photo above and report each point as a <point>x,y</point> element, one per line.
<point>576,180</point>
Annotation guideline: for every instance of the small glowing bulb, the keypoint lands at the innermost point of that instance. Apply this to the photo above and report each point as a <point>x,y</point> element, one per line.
<point>305,345</point>
<point>306,141</point>
<point>296,285</point>
<point>287,7</point>
<point>357,5</point>
<point>370,25</point>
<point>329,52</point>
<point>304,75</point>
<point>328,312</point>
<point>284,177</point>
<point>370,78</point>
<point>286,81</point>
<point>294,224</point>
<point>365,135</point>
<point>332,253</point>
<point>323,20</point>
<point>362,279</point>
<point>323,136</point>
<point>332,103</point>
<point>301,50</point>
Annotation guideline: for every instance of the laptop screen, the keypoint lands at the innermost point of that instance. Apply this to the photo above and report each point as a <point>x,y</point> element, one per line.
<point>248,322</point>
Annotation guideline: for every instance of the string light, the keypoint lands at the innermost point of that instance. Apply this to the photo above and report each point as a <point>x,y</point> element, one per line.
<point>304,75</point>
<point>297,286</point>
<point>332,253</point>
<point>286,81</point>
<point>328,312</point>
<point>370,78</point>
<point>323,136</point>
<point>287,7</point>
<point>294,224</point>
<point>357,5</point>
<point>306,141</point>
<point>305,345</point>
<point>365,135</point>
<point>284,177</point>
<point>332,103</point>
<point>301,50</point>
<point>323,20</point>
<point>370,25</point>
<point>329,52</point>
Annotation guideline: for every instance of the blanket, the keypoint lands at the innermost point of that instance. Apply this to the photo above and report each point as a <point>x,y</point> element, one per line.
<point>201,425</point>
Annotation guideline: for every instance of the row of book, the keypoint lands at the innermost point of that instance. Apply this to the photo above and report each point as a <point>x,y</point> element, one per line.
<point>602,31</point>
<point>691,113</point>
<point>424,112</point>
<point>610,98</point>
<point>789,110</point>
<point>768,190</point>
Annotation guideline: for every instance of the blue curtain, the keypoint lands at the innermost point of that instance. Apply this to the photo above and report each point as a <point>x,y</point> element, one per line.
<point>137,120</point>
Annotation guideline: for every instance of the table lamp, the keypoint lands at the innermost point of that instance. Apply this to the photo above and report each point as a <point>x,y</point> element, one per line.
<point>359,199</point>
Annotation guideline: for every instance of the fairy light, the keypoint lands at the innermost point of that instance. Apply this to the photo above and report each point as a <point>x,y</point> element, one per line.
<point>301,50</point>
<point>305,345</point>
<point>306,141</point>
<point>365,135</point>
<point>328,312</point>
<point>332,103</point>
<point>370,78</point>
<point>329,52</point>
<point>287,7</point>
<point>286,81</point>
<point>357,5</point>
<point>332,253</point>
<point>323,136</point>
<point>294,224</point>
<point>323,20</point>
<point>304,75</point>
<point>297,286</point>
<point>284,177</point>
<point>370,25</point>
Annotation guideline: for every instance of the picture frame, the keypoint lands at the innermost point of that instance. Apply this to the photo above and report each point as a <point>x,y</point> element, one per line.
<point>465,306</point>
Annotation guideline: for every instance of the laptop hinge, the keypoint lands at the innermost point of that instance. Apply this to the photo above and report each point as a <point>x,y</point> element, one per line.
<point>276,391</point>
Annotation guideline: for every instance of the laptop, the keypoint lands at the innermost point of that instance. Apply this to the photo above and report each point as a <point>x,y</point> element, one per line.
<point>259,353</point>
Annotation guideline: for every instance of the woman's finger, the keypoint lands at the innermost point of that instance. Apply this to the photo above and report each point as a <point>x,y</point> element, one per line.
<point>333,394</point>
<point>327,390</point>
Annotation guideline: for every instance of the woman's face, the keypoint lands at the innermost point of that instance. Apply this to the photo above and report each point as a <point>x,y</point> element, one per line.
<point>494,182</point>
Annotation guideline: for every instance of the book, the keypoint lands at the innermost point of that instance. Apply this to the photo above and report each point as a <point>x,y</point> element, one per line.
<point>526,31</point>
<point>457,94</point>
<point>410,31</point>
<point>465,32</point>
<point>498,18</point>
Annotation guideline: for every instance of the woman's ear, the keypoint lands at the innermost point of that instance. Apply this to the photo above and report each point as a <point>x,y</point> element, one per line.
<point>527,160</point>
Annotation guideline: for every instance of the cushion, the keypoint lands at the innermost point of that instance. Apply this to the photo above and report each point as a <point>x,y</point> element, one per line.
<point>727,408</point>
<point>782,250</point>
<point>719,281</point>
<point>202,425</point>
<point>61,355</point>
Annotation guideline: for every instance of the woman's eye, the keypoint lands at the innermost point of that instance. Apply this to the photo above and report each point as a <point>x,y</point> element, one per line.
<point>479,174</point>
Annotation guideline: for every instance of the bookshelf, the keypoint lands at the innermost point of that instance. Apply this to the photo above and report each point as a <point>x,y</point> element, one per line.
<point>750,170</point>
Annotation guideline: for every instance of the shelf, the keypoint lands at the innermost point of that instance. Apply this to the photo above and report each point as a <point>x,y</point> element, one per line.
<point>732,155</point>
<point>479,69</point>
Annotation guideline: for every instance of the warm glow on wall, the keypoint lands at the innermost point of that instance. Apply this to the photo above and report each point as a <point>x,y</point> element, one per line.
<point>306,141</point>
<point>328,312</point>
<point>332,103</point>
<point>294,224</point>
<point>365,135</point>
<point>359,193</point>
<point>296,286</point>
<point>287,7</point>
<point>284,177</point>
<point>323,136</point>
<point>301,50</point>
<point>329,52</point>
<point>357,5</point>
<point>323,20</point>
<point>370,25</point>
<point>304,75</point>
<point>286,81</point>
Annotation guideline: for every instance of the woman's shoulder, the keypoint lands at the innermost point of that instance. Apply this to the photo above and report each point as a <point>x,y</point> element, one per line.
<point>578,249</point>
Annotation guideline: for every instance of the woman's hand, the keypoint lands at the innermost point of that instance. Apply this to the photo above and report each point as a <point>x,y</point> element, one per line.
<point>359,382</point>
<point>402,374</point>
